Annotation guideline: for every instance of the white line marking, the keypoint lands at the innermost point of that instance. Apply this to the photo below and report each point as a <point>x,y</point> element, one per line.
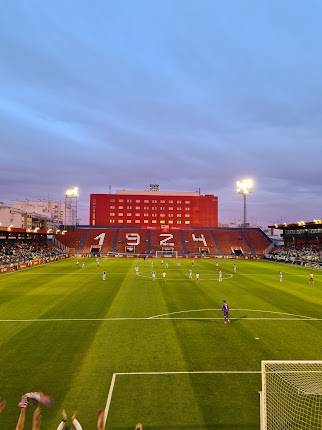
<point>109,398</point>
<point>159,319</point>
<point>244,310</point>
<point>193,372</point>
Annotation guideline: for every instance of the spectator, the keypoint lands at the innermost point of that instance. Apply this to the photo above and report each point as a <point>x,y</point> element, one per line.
<point>62,425</point>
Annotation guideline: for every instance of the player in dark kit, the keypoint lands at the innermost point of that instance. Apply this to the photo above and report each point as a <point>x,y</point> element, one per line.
<point>225,309</point>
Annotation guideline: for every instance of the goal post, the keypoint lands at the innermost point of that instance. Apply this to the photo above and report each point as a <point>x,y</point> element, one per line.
<point>291,397</point>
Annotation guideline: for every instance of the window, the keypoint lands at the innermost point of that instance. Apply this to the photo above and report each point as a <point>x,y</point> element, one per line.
<point>170,202</point>
<point>120,207</point>
<point>112,200</point>
<point>146,221</point>
<point>112,214</point>
<point>120,221</point>
<point>170,208</point>
<point>187,216</point>
<point>146,201</point>
<point>137,214</point>
<point>187,209</point>
<point>137,201</point>
<point>162,221</point>
<point>178,215</point>
<point>112,221</point>
<point>178,222</point>
<point>187,222</point>
<point>154,215</point>
<point>154,208</point>
<point>170,215</point>
<point>146,214</point>
<point>154,201</point>
<point>128,207</point>
<point>137,208</point>
<point>179,208</point>
<point>170,221</point>
<point>162,208</point>
<point>137,221</point>
<point>120,214</point>
<point>128,221</point>
<point>162,215</point>
<point>187,202</point>
<point>129,214</point>
<point>154,221</point>
<point>146,208</point>
<point>121,201</point>
<point>112,207</point>
<point>129,201</point>
<point>179,202</point>
<point>162,201</point>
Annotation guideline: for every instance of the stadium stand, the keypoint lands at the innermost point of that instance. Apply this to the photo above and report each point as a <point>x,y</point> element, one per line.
<point>302,255</point>
<point>232,242</point>
<point>185,242</point>
<point>16,252</point>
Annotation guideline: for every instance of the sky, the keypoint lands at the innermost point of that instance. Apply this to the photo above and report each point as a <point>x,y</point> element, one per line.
<point>188,94</point>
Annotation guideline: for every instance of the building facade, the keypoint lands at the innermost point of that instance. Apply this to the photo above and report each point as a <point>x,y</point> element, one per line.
<point>154,209</point>
<point>55,211</point>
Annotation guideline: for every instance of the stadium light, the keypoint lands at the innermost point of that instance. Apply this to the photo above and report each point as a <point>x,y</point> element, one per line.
<point>72,192</point>
<point>244,187</point>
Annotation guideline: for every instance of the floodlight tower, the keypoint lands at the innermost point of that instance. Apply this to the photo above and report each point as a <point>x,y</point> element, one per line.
<point>71,204</point>
<point>244,187</point>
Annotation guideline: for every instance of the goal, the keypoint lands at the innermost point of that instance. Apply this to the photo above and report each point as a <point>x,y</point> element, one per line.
<point>291,396</point>
<point>167,253</point>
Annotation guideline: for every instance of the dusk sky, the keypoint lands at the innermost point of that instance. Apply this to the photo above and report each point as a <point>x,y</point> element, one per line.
<point>184,93</point>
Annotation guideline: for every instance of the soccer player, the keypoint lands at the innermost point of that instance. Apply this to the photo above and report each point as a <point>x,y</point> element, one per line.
<point>197,276</point>
<point>153,275</point>
<point>190,274</point>
<point>166,265</point>
<point>104,276</point>
<point>311,278</point>
<point>225,310</point>
<point>164,275</point>
<point>235,268</point>
<point>220,276</point>
<point>83,265</point>
<point>281,276</point>
<point>162,262</point>
<point>97,262</point>
<point>77,263</point>
<point>136,268</point>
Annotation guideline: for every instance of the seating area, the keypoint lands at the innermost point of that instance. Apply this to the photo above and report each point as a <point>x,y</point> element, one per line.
<point>303,255</point>
<point>186,242</point>
<point>16,252</point>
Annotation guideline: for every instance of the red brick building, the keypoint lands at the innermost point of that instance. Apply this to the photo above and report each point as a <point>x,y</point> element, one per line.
<point>153,209</point>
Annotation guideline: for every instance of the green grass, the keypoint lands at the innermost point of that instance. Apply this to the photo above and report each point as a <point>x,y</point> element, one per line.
<point>74,360</point>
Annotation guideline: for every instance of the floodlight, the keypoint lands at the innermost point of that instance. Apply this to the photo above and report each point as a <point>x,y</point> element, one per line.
<point>72,192</point>
<point>244,187</point>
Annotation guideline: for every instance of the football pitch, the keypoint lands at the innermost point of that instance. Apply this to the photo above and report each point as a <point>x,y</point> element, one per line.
<point>153,351</point>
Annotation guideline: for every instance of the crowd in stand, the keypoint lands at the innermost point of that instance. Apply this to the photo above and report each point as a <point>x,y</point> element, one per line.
<point>305,255</point>
<point>15,252</point>
<point>41,399</point>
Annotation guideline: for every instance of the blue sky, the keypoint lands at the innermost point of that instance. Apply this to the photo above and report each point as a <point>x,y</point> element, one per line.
<point>183,93</point>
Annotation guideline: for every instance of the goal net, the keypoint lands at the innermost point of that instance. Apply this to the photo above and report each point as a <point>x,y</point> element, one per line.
<point>291,397</point>
<point>167,253</point>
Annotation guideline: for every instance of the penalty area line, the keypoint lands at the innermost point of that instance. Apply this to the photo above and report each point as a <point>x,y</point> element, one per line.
<point>184,372</point>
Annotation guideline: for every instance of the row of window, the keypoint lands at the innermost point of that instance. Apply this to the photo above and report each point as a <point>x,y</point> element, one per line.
<point>178,202</point>
<point>154,215</point>
<point>153,208</point>
<point>154,221</point>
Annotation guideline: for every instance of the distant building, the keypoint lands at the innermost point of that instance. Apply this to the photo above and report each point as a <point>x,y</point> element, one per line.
<point>154,209</point>
<point>55,211</point>
<point>13,217</point>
